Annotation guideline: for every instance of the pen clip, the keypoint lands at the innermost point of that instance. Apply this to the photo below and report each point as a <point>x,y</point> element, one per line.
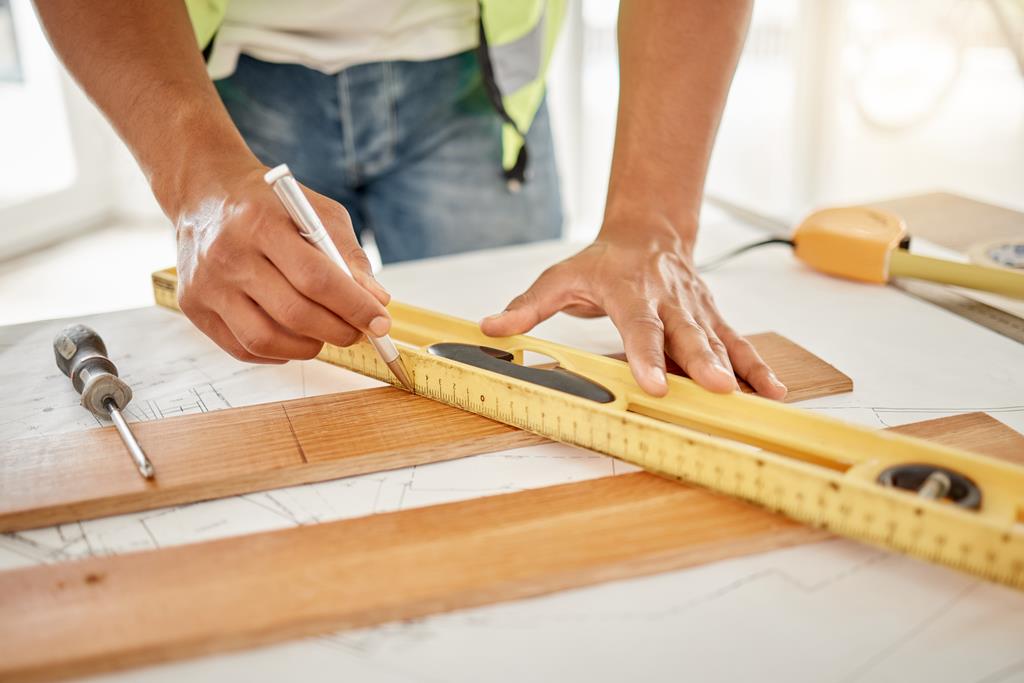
<point>296,203</point>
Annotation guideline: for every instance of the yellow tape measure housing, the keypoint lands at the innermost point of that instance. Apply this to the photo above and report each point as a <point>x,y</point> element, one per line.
<point>852,242</point>
<point>863,243</point>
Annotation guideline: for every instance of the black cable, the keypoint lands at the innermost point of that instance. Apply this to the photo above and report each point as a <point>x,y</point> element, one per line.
<point>719,260</point>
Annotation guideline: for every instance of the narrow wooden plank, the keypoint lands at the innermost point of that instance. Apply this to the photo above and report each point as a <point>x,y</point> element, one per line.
<point>117,612</point>
<point>75,476</point>
<point>114,613</point>
<point>70,477</point>
<point>83,475</point>
<point>973,431</point>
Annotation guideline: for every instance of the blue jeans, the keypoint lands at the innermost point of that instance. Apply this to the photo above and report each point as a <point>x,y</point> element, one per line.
<point>411,149</point>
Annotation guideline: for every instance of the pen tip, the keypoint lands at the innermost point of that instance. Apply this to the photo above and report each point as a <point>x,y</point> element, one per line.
<point>398,367</point>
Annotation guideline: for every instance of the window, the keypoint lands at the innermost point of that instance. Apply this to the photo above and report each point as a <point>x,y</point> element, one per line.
<point>47,137</point>
<point>834,101</point>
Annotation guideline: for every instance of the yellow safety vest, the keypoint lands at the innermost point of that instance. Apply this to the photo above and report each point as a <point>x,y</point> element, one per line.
<point>517,38</point>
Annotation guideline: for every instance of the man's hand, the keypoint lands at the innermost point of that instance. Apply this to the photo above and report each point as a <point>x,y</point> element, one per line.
<point>676,58</point>
<point>659,304</point>
<point>250,282</point>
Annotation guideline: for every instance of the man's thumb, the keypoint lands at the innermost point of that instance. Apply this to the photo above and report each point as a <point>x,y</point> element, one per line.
<point>535,305</point>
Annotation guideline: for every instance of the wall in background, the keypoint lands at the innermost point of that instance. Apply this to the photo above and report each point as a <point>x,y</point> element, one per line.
<point>54,178</point>
<point>930,95</point>
<point>865,99</point>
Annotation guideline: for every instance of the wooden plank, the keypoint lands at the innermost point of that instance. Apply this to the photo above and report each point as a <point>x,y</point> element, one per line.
<point>972,431</point>
<point>83,475</point>
<point>70,477</point>
<point>112,613</point>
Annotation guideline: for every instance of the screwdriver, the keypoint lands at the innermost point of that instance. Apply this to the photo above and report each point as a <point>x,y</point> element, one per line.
<point>82,356</point>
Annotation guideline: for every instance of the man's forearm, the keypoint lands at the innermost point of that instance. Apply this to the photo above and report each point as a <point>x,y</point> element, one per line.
<point>676,61</point>
<point>245,276</point>
<point>139,62</point>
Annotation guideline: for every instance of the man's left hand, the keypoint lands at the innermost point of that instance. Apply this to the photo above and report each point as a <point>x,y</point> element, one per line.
<point>652,293</point>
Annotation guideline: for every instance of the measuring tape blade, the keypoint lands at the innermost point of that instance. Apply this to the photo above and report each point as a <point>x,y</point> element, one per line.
<point>814,469</point>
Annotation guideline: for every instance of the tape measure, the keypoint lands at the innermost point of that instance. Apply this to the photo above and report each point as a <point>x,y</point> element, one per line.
<point>865,243</point>
<point>995,319</point>
<point>856,482</point>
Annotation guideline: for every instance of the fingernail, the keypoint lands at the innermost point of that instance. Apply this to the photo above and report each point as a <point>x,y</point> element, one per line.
<point>379,326</point>
<point>726,373</point>
<point>775,380</point>
<point>658,376</point>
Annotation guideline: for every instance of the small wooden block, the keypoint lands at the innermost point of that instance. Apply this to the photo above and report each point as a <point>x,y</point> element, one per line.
<point>805,375</point>
<point>110,613</point>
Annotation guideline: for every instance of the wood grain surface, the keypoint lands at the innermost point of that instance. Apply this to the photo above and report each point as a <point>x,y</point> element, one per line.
<point>83,475</point>
<point>972,431</point>
<point>805,375</point>
<point>113,613</point>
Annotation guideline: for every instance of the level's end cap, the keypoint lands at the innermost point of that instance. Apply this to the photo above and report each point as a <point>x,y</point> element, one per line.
<point>276,173</point>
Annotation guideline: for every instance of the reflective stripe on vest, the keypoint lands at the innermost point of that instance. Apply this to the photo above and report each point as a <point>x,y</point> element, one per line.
<point>517,40</point>
<point>206,16</point>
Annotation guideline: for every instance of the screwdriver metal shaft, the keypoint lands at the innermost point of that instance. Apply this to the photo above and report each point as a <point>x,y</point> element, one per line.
<point>131,443</point>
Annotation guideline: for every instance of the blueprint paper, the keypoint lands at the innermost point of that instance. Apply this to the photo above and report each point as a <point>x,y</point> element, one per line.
<point>830,611</point>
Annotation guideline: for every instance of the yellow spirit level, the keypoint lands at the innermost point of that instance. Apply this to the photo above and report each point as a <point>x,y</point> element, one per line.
<point>942,504</point>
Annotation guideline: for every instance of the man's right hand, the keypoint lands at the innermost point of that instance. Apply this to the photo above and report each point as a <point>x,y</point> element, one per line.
<point>245,275</point>
<point>248,279</point>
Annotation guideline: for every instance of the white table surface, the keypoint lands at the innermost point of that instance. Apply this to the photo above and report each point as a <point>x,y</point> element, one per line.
<point>831,611</point>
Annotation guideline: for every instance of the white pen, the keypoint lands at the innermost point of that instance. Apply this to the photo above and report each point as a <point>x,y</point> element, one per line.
<point>310,226</point>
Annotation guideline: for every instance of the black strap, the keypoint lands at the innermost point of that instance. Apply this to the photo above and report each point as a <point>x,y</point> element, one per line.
<point>518,171</point>
<point>208,50</point>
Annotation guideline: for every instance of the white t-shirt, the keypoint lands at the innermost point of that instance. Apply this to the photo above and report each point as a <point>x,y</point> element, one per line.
<point>330,35</point>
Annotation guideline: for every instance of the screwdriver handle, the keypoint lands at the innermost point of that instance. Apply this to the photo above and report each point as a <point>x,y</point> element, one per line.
<point>82,356</point>
<point>78,344</point>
